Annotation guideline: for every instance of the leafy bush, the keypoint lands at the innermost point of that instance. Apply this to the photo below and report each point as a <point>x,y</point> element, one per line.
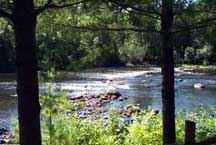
<point>204,55</point>
<point>60,128</point>
<point>190,53</point>
<point>146,129</point>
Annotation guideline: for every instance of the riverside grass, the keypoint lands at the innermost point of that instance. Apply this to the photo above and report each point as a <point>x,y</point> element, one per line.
<point>146,129</point>
<point>59,128</point>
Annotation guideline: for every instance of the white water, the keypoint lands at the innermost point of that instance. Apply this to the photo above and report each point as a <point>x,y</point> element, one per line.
<point>141,86</point>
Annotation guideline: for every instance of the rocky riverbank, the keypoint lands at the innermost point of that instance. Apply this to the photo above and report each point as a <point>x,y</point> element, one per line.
<point>5,136</point>
<point>89,105</point>
<point>93,105</point>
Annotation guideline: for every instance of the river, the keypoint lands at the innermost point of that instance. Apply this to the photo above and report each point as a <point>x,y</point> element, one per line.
<point>142,87</point>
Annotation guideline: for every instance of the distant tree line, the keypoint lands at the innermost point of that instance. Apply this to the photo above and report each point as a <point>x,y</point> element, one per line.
<point>59,40</point>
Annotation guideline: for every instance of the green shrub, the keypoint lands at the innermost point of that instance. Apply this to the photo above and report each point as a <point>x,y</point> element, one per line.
<point>59,128</point>
<point>146,129</point>
<point>204,55</point>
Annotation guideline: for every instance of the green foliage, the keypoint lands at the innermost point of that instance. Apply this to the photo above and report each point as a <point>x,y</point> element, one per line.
<point>206,122</point>
<point>60,42</point>
<point>204,55</point>
<point>146,129</point>
<point>76,48</point>
<point>190,53</point>
<point>7,55</point>
<point>135,48</point>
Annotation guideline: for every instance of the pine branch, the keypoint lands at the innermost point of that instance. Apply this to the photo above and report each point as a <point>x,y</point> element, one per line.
<point>86,28</point>
<point>198,25</point>
<point>186,11</point>
<point>145,12</point>
<point>50,5</point>
<point>142,14</point>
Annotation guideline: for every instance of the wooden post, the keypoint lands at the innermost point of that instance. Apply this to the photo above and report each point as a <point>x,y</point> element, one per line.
<point>190,132</point>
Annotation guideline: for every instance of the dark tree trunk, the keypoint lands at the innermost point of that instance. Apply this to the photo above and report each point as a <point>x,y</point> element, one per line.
<point>24,21</point>
<point>168,92</point>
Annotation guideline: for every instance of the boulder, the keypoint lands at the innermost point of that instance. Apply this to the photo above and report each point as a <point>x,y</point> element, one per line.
<point>198,86</point>
<point>132,109</point>
<point>3,131</point>
<point>121,99</point>
<point>76,97</point>
<point>113,92</point>
<point>179,80</point>
<point>155,111</point>
<point>103,97</point>
<point>114,97</point>
<point>129,106</point>
<point>107,81</point>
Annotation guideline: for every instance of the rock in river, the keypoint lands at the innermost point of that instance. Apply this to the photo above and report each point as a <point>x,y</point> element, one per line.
<point>198,86</point>
<point>113,92</point>
<point>132,109</point>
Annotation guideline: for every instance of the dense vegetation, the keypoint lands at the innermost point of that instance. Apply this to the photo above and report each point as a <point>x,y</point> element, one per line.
<point>80,36</point>
<point>144,128</point>
<point>102,33</point>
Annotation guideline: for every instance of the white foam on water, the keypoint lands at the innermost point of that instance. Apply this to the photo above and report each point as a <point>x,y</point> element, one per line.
<point>115,74</point>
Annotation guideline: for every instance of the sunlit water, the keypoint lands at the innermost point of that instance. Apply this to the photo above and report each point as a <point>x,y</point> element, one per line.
<point>142,87</point>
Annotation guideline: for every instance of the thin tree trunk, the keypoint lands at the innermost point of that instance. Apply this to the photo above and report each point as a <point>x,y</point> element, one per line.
<point>168,92</point>
<point>27,81</point>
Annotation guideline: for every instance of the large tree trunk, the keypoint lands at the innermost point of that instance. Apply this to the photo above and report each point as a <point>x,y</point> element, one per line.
<point>27,81</point>
<point>168,92</point>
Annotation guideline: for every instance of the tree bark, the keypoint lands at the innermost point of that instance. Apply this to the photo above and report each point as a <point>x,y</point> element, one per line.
<point>24,21</point>
<point>168,92</point>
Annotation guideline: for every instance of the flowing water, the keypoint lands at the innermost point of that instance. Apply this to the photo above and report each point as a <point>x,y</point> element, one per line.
<point>142,87</point>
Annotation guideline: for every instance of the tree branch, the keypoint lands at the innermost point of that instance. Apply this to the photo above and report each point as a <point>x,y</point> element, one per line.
<point>204,21</point>
<point>185,11</point>
<point>5,14</point>
<point>50,5</point>
<point>145,14</point>
<point>198,25</point>
<point>136,9</point>
<point>86,28</point>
